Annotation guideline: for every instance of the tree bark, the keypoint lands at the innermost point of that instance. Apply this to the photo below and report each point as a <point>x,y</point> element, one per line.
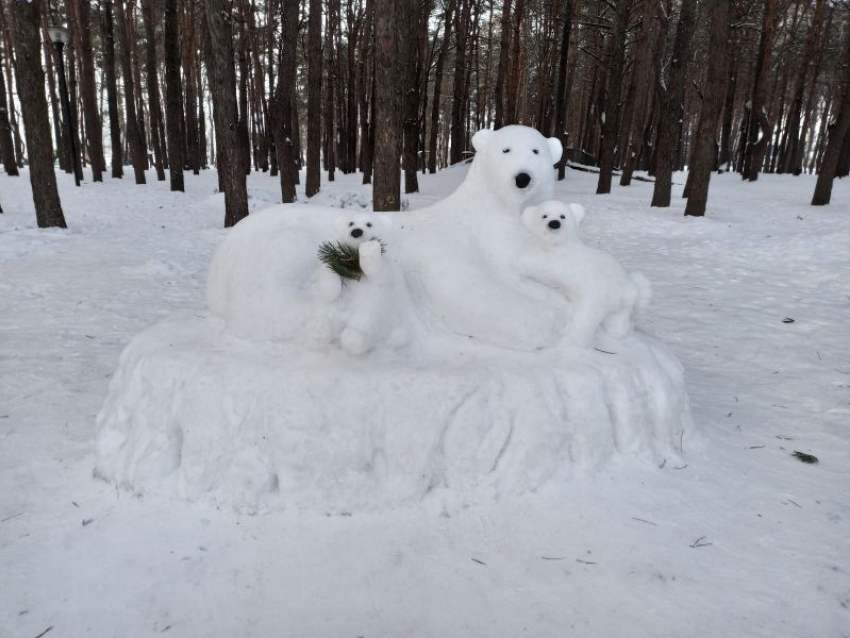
<point>7,144</point>
<point>134,133</point>
<point>314,99</point>
<point>612,103</point>
<point>174,97</point>
<point>714,92</point>
<point>562,95</point>
<point>283,105</point>
<point>759,130</point>
<point>112,90</point>
<point>153,86</point>
<point>91,115</point>
<point>30,83</point>
<point>387,125</point>
<point>438,88</point>
<point>226,113</point>
<point>673,110</point>
<point>504,62</point>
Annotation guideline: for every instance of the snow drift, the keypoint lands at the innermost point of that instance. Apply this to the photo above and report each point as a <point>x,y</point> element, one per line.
<point>451,368</point>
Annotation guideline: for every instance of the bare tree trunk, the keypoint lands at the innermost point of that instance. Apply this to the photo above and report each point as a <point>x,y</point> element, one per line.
<point>194,98</point>
<point>94,135</point>
<point>284,99</point>
<point>759,129</point>
<point>457,142</point>
<point>223,85</point>
<point>837,132</point>
<point>331,88</point>
<point>134,134</point>
<point>153,86</point>
<point>612,103</point>
<point>30,83</point>
<point>112,90</point>
<point>438,87</point>
<point>314,99</point>
<point>703,161</point>
<point>7,144</point>
<point>504,62</point>
<point>174,97</point>
<point>562,95</point>
<point>673,109</point>
<point>387,124</point>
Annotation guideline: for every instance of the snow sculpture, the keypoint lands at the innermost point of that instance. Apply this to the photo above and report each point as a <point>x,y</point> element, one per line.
<point>459,365</point>
<point>597,286</point>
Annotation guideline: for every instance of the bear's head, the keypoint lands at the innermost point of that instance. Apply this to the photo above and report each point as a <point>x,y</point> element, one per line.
<point>554,222</point>
<point>515,163</point>
<point>358,228</point>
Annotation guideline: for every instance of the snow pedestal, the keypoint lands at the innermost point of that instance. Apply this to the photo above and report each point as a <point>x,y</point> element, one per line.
<point>197,412</point>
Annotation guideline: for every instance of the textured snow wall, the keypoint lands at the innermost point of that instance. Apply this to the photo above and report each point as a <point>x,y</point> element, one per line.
<point>195,412</point>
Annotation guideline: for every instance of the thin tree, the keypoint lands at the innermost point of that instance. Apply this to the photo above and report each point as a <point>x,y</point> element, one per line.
<point>134,133</point>
<point>154,106</point>
<point>7,144</point>
<point>91,115</point>
<point>314,98</point>
<point>30,82</point>
<point>562,94</point>
<point>110,78</point>
<point>174,96</point>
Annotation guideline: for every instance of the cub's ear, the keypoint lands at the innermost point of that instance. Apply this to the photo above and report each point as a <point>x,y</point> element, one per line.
<point>528,214</point>
<point>555,148</point>
<point>578,212</point>
<point>480,139</point>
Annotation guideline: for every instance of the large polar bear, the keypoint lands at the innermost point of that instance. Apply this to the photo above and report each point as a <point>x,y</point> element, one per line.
<point>458,256</point>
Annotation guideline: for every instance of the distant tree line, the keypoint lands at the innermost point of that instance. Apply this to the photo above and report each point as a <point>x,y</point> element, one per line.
<point>392,88</point>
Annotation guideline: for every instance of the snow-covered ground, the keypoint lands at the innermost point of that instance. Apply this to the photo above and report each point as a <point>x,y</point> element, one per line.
<point>741,539</point>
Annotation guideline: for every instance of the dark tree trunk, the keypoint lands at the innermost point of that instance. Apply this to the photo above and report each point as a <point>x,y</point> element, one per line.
<point>174,97</point>
<point>30,83</point>
<point>612,103</point>
<point>225,111</point>
<point>837,133</point>
<point>562,95</point>
<point>112,90</point>
<point>504,62</point>
<point>669,126</point>
<point>387,103</point>
<point>759,129</point>
<point>7,144</point>
<point>154,105</point>
<point>714,92</point>
<point>91,115</point>
<point>314,99</point>
<point>438,88</point>
<point>194,97</point>
<point>284,102</point>
<point>134,133</point>
<point>412,40</point>
<point>331,89</point>
<point>457,143</point>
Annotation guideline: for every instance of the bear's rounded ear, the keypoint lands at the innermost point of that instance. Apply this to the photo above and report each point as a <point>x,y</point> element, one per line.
<point>555,148</point>
<point>480,139</point>
<point>578,212</point>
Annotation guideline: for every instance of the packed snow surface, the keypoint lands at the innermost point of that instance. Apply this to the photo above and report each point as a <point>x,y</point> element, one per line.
<point>294,389</point>
<point>739,538</point>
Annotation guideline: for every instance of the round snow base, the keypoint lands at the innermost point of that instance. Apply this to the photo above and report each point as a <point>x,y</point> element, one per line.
<point>195,411</point>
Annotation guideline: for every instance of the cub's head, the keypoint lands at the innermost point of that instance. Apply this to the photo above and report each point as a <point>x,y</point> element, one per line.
<point>516,164</point>
<point>358,228</point>
<point>553,221</point>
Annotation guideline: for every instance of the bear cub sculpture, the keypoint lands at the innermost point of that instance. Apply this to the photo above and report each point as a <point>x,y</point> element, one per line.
<point>599,289</point>
<point>367,314</point>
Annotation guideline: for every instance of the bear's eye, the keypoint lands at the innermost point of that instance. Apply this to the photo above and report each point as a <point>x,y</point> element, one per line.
<point>563,216</point>
<point>506,150</point>
<point>536,152</point>
<point>369,224</point>
<point>545,216</point>
<point>350,224</point>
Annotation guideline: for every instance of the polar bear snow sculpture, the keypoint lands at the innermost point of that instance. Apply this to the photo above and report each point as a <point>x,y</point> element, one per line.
<point>599,289</point>
<point>456,256</point>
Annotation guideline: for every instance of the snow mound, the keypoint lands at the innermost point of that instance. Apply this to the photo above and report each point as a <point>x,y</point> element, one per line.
<point>196,412</point>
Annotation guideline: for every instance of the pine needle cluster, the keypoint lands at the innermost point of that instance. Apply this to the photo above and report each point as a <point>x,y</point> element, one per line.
<point>343,259</point>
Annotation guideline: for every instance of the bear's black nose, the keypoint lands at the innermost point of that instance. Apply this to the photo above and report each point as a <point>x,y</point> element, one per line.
<point>523,180</point>
<point>357,232</point>
<point>554,224</point>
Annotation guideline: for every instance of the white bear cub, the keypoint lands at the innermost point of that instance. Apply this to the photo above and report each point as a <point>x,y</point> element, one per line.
<point>367,314</point>
<point>600,290</point>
